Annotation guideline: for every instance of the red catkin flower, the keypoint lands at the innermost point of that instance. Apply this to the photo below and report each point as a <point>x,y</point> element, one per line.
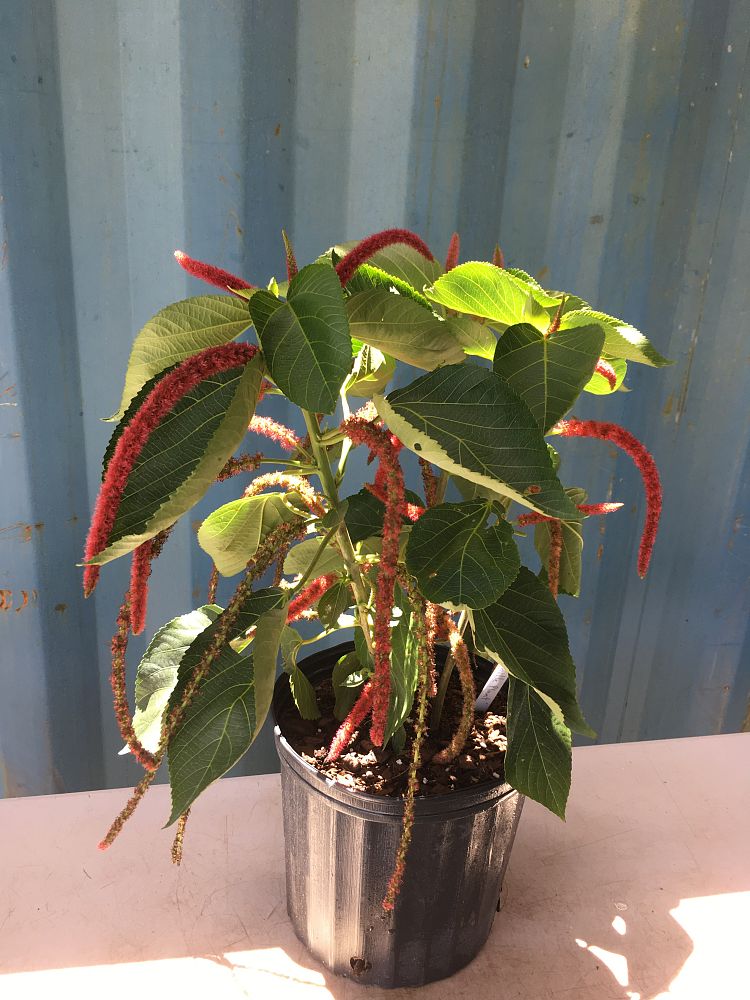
<point>290,482</point>
<point>411,510</point>
<point>210,274</point>
<point>454,248</point>
<point>291,260</point>
<point>605,369</point>
<point>555,554</point>
<point>243,463</point>
<point>130,806</point>
<point>159,402</point>
<point>498,258</point>
<point>592,509</point>
<point>382,443</point>
<point>369,246</point>
<point>179,838</point>
<point>351,723</point>
<point>555,324</point>
<point>468,691</point>
<point>645,464</point>
<point>119,690</point>
<point>140,571</point>
<point>309,596</point>
<point>270,428</point>
<point>429,480</point>
<point>213,583</point>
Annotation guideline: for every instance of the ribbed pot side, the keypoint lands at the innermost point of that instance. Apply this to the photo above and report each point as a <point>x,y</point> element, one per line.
<point>340,847</point>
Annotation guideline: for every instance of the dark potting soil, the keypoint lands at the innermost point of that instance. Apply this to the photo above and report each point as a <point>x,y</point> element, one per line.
<point>383,771</point>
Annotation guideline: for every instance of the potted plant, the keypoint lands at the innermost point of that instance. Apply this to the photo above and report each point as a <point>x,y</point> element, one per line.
<point>402,785</point>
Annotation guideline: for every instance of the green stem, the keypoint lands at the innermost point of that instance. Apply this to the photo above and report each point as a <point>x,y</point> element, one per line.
<point>442,485</point>
<point>328,482</point>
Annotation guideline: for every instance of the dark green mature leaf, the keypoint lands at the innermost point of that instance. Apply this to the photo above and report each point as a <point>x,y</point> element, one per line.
<point>364,516</point>
<point>232,533</point>
<point>404,668</point>
<point>538,758</point>
<point>367,277</point>
<point>183,456</point>
<point>458,559</point>
<point>402,262</point>
<point>225,716</point>
<point>548,372</point>
<point>525,631</point>
<point>481,289</point>
<point>402,328</point>
<point>347,679</point>
<point>304,695</point>
<point>621,340</point>
<point>306,339</point>
<point>572,548</point>
<point>334,603</point>
<point>182,329</point>
<point>156,675</point>
<point>598,384</point>
<point>470,422</point>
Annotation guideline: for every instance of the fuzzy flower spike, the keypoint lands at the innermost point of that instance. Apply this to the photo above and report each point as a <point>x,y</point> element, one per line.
<point>369,246</point>
<point>210,274</point>
<point>454,248</point>
<point>646,466</point>
<point>159,402</point>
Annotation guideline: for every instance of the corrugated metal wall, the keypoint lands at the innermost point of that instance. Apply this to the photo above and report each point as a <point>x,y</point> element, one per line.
<point>605,145</point>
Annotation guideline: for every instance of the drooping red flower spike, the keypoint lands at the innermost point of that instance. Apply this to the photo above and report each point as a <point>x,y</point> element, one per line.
<point>243,463</point>
<point>498,258</point>
<point>369,246</point>
<point>454,248</point>
<point>351,724</point>
<point>291,260</point>
<point>119,689</point>
<point>309,596</point>
<point>429,481</point>
<point>380,442</point>
<point>410,510</point>
<point>556,320</point>
<point>210,274</point>
<point>646,466</point>
<point>270,428</point>
<point>179,838</point>
<point>159,402</point>
<point>129,808</point>
<point>140,571</point>
<point>605,369</point>
<point>289,481</point>
<point>555,554</point>
<point>587,509</point>
<point>468,691</point>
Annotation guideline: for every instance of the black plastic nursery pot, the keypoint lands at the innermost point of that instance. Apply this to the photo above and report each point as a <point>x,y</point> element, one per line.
<point>340,850</point>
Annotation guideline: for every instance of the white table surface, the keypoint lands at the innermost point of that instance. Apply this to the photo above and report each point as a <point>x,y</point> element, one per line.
<point>643,893</point>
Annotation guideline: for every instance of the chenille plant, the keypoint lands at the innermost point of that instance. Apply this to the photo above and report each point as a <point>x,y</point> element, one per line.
<point>503,362</point>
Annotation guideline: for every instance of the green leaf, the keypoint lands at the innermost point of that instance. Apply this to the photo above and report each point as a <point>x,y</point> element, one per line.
<point>481,289</point>
<point>548,372</point>
<point>347,679</point>
<point>364,516</point>
<point>336,600</point>
<point>156,675</point>
<point>404,669</point>
<point>232,533</point>
<point>306,339</point>
<point>525,631</point>
<point>304,695</point>
<point>538,758</point>
<point>402,262</point>
<point>183,456</point>
<point>470,422</point>
<point>547,299</point>
<point>476,339</point>
<point>620,339</point>
<point>366,277</point>
<point>572,548</point>
<point>400,327</point>
<point>182,329</point>
<point>458,559</point>
<point>371,373</point>
<point>301,555</point>
<point>598,384</point>
<point>226,714</point>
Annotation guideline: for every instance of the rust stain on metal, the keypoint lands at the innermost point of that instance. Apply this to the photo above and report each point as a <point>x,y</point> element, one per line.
<point>24,601</point>
<point>61,608</point>
<point>667,409</point>
<point>543,273</point>
<point>599,551</point>
<point>6,600</point>
<point>277,130</point>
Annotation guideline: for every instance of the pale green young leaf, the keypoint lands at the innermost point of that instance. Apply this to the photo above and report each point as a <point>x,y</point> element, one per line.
<point>173,334</point>
<point>301,555</point>
<point>598,385</point>
<point>621,340</point>
<point>232,534</point>
<point>477,339</point>
<point>481,289</point>
<point>371,373</point>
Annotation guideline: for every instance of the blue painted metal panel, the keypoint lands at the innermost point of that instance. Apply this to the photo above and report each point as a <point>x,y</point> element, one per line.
<point>606,146</point>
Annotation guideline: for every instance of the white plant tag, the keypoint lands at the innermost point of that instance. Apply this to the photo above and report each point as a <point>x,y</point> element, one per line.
<point>495,681</point>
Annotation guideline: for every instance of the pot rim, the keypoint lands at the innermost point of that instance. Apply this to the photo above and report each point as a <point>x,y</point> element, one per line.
<point>464,800</point>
